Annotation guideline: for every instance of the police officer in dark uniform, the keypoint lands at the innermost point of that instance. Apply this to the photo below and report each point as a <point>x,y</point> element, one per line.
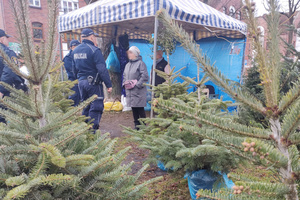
<point>91,71</point>
<point>3,44</point>
<point>7,75</point>
<point>68,63</point>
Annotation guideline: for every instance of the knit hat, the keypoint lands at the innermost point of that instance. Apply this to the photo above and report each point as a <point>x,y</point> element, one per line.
<point>135,50</point>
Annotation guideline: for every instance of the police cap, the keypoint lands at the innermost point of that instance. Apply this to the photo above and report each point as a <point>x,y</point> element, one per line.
<point>74,43</point>
<point>2,34</point>
<point>87,32</point>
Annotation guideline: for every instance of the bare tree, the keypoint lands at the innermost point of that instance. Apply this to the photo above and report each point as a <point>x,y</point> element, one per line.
<point>293,6</point>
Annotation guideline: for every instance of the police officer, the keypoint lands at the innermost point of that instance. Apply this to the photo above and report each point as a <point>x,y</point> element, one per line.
<point>3,44</point>
<point>68,63</point>
<point>7,75</point>
<point>90,68</point>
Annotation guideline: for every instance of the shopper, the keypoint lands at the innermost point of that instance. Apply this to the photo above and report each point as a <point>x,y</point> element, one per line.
<point>135,76</point>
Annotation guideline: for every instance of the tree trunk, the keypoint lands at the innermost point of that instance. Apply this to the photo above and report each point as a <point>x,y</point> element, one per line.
<point>40,109</point>
<point>286,172</point>
<point>290,35</point>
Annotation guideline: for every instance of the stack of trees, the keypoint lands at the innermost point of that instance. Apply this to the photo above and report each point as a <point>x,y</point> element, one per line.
<point>47,150</point>
<point>274,147</point>
<point>167,138</point>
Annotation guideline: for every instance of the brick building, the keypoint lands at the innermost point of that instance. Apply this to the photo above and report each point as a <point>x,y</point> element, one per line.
<point>283,31</point>
<point>233,8</point>
<point>38,12</point>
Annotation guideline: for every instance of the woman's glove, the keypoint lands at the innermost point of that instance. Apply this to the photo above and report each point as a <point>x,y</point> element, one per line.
<point>130,84</point>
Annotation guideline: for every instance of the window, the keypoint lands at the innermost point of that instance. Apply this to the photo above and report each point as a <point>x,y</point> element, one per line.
<point>224,10</point>
<point>67,37</point>
<point>69,5</point>
<point>35,3</point>
<point>37,29</point>
<point>231,11</point>
<point>238,15</point>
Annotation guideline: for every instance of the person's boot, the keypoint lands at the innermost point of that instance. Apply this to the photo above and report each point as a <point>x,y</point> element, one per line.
<point>136,124</point>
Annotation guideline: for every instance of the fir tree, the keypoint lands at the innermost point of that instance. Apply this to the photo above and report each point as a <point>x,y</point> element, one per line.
<point>165,41</point>
<point>274,147</point>
<point>167,139</point>
<point>47,151</point>
<point>246,115</point>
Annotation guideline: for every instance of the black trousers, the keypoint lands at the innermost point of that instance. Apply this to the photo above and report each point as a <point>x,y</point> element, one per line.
<point>138,112</point>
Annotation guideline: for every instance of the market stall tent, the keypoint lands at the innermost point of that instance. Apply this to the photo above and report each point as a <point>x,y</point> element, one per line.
<point>137,18</point>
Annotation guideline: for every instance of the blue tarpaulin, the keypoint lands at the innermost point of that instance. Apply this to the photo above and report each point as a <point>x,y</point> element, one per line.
<point>226,53</point>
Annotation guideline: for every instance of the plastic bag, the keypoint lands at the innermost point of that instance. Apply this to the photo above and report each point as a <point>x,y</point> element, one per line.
<point>149,98</point>
<point>113,106</point>
<point>205,179</point>
<point>112,61</point>
<point>124,103</point>
<point>161,166</point>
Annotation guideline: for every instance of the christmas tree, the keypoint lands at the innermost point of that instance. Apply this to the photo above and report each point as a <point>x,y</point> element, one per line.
<point>47,150</point>
<point>167,139</point>
<point>274,147</point>
<point>165,41</point>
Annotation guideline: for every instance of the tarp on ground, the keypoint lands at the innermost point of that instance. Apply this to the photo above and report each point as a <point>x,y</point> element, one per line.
<point>227,54</point>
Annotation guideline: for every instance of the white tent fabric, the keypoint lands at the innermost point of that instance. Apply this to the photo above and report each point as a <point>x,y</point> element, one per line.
<point>139,15</point>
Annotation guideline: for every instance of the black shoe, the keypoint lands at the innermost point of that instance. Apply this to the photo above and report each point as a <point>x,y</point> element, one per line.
<point>136,124</point>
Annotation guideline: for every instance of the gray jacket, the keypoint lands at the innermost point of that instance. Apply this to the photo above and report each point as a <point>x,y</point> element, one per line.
<point>136,70</point>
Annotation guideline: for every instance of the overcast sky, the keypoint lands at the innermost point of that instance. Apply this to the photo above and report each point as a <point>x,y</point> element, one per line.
<point>261,8</point>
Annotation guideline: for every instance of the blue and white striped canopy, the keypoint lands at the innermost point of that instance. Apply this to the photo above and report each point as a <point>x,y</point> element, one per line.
<point>137,17</point>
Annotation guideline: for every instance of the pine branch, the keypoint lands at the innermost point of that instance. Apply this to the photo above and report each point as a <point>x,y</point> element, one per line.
<point>267,70</point>
<point>291,121</point>
<point>63,119</point>
<point>289,98</point>
<point>56,156</point>
<point>266,189</point>
<point>40,166</point>
<point>294,157</point>
<point>274,56</point>
<point>268,153</point>
<point>22,190</point>
<point>20,11</point>
<point>17,108</point>
<point>15,181</point>
<point>52,38</point>
<point>82,160</point>
<point>214,121</point>
<point>223,195</point>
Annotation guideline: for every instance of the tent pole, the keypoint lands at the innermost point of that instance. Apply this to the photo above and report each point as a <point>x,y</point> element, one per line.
<point>154,60</point>
<point>61,58</point>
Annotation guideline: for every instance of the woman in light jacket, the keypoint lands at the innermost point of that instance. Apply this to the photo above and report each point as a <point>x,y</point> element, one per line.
<point>134,77</point>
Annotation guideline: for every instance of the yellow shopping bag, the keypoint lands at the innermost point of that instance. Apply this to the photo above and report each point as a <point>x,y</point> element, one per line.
<point>113,106</point>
